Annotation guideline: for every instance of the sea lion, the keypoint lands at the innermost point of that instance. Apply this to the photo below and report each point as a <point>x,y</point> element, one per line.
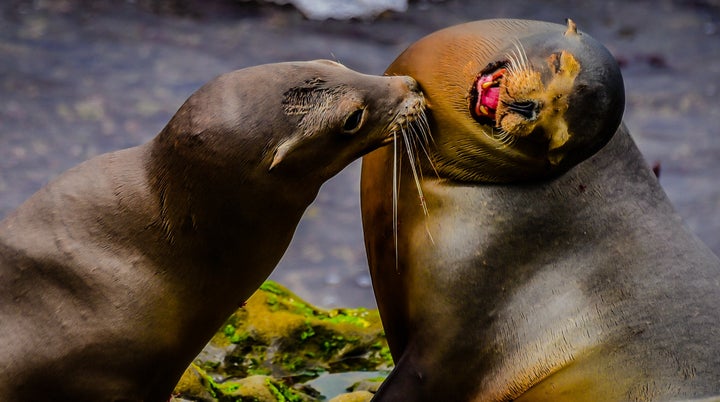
<point>582,286</point>
<point>117,273</point>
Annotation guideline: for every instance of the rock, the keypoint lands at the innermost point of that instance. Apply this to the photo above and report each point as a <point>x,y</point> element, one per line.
<point>277,342</point>
<point>344,9</point>
<point>357,396</point>
<point>260,388</point>
<point>370,385</point>
<point>193,384</point>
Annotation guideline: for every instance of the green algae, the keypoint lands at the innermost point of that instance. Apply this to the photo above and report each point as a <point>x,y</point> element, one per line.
<point>282,392</point>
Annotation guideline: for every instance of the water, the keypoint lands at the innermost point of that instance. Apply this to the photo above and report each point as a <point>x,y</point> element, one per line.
<point>332,385</point>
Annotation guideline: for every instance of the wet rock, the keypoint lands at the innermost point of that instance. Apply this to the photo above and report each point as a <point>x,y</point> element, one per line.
<point>358,396</point>
<point>370,385</point>
<point>194,383</point>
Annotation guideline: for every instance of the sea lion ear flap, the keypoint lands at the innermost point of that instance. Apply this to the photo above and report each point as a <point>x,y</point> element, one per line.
<point>282,151</point>
<point>571,28</point>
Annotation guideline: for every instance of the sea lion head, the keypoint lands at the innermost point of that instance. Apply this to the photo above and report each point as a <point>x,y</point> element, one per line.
<point>291,120</point>
<point>338,115</point>
<point>280,130</point>
<point>514,100</point>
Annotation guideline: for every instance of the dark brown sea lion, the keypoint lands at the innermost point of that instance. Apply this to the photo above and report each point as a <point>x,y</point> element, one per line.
<point>580,287</point>
<point>117,273</point>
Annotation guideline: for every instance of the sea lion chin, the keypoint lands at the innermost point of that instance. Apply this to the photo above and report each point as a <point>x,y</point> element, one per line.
<point>116,274</point>
<point>525,100</point>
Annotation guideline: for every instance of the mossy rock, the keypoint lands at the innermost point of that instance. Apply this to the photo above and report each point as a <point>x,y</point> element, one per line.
<point>197,385</point>
<point>357,396</point>
<point>276,342</point>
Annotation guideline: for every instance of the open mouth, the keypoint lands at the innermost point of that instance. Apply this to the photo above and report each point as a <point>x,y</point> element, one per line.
<point>485,93</point>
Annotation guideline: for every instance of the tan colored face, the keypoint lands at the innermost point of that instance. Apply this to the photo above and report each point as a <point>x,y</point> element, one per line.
<point>541,106</point>
<point>514,100</point>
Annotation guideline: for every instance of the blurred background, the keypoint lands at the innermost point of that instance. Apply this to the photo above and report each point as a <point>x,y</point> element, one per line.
<point>83,77</point>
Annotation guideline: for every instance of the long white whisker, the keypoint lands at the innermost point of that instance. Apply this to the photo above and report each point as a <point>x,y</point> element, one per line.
<point>423,145</point>
<point>417,143</point>
<point>413,167</point>
<point>524,53</point>
<point>415,134</point>
<point>423,126</point>
<point>518,57</point>
<point>514,62</point>
<point>395,184</point>
<point>524,62</point>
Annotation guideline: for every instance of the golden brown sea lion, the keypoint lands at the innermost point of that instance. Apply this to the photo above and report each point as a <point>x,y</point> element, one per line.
<point>581,287</point>
<point>117,273</point>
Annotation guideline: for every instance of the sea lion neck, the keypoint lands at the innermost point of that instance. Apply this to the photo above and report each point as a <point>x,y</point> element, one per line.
<point>203,197</point>
<point>209,165</point>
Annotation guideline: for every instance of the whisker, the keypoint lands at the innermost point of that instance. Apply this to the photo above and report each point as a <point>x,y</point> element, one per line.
<point>503,138</point>
<point>524,53</point>
<point>395,184</point>
<point>507,139</point>
<point>423,144</point>
<point>423,127</point>
<point>514,66</point>
<point>416,136</point>
<point>416,142</point>
<point>518,58</point>
<point>525,63</point>
<point>413,167</point>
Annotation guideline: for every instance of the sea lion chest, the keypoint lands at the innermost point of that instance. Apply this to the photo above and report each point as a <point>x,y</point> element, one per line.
<point>559,289</point>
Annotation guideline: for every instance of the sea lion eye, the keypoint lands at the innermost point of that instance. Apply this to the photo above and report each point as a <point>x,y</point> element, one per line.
<point>354,121</point>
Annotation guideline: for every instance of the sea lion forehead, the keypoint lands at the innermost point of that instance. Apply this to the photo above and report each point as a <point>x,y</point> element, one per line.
<point>327,74</point>
<point>472,45</point>
<point>466,49</point>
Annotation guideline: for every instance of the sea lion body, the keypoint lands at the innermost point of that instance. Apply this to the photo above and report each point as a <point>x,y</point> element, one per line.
<point>118,272</point>
<point>580,287</point>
